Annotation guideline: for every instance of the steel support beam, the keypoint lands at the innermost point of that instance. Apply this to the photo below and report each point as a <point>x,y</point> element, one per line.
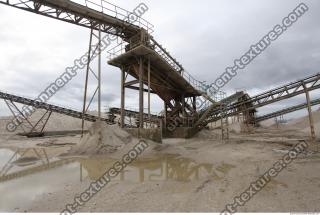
<point>138,88</point>
<point>165,114</point>
<point>278,94</point>
<point>141,92</point>
<point>122,109</point>
<point>84,109</point>
<point>183,110</point>
<point>71,12</point>
<point>311,121</point>
<point>149,90</point>
<point>99,73</point>
<point>130,83</point>
<point>41,120</point>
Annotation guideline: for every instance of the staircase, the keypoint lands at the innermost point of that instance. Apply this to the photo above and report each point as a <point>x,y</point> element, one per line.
<point>215,107</point>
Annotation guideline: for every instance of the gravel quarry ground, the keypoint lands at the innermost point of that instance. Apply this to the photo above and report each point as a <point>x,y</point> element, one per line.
<point>201,174</point>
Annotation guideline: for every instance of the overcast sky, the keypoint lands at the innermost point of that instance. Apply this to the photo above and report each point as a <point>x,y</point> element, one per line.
<point>206,36</point>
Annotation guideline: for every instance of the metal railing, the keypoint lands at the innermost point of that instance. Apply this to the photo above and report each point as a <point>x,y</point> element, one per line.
<point>164,54</point>
<point>117,50</point>
<point>218,96</point>
<point>198,85</point>
<point>120,13</point>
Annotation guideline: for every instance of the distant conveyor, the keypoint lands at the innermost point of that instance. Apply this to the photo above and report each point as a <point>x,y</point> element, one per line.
<point>284,92</point>
<point>52,108</point>
<point>140,54</point>
<point>286,111</point>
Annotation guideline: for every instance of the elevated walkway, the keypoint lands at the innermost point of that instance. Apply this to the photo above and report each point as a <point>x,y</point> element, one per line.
<point>113,19</point>
<point>165,80</point>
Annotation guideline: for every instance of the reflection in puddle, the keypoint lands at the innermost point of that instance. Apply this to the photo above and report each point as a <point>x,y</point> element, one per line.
<point>28,173</point>
<point>165,167</point>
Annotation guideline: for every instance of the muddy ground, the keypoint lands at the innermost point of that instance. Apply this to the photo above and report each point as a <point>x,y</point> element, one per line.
<point>201,174</point>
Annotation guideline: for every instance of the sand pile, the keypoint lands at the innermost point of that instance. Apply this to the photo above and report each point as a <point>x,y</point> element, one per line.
<point>57,122</point>
<point>302,123</point>
<point>267,123</point>
<point>112,139</point>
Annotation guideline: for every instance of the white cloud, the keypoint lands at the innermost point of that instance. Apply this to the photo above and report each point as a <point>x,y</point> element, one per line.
<point>206,36</point>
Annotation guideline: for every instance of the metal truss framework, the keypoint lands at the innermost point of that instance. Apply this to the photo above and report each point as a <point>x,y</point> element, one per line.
<point>181,112</point>
<point>141,71</point>
<point>131,118</point>
<point>77,14</point>
<point>221,105</point>
<point>95,48</point>
<point>29,128</point>
<point>18,115</point>
<point>179,107</point>
<point>281,93</point>
<point>11,99</point>
<point>286,111</point>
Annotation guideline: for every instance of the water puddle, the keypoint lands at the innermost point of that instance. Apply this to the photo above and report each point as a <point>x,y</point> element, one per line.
<point>25,174</point>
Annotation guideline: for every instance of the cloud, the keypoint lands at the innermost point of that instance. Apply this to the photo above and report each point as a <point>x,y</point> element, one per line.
<point>205,36</point>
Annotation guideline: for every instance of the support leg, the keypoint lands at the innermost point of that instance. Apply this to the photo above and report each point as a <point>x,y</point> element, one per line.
<point>99,75</point>
<point>44,125</point>
<point>122,98</point>
<point>183,102</point>
<point>19,116</point>
<point>86,81</point>
<point>311,121</point>
<point>141,106</point>
<point>149,83</point>
<point>165,115</point>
